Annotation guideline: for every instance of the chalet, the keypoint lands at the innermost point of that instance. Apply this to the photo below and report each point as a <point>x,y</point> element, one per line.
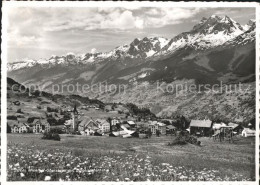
<point>170,129</point>
<point>201,127</point>
<point>247,132</point>
<point>217,126</point>
<point>23,127</point>
<point>13,125</point>
<point>115,121</point>
<point>238,128</point>
<point>154,126</point>
<point>39,126</point>
<point>87,126</point>
<point>131,123</point>
<point>103,125</point>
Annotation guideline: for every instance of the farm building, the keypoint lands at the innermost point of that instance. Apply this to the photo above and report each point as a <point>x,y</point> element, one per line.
<point>39,126</point>
<point>238,128</point>
<point>217,126</point>
<point>201,127</point>
<point>154,125</point>
<point>170,129</point>
<point>103,125</point>
<point>247,132</point>
<point>131,123</point>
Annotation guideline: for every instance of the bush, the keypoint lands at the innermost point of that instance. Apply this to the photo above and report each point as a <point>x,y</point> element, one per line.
<point>19,111</point>
<point>183,138</point>
<point>49,109</point>
<point>51,136</point>
<point>56,130</point>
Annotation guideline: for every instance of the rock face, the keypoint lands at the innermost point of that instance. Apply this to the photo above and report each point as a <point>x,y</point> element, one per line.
<point>217,50</point>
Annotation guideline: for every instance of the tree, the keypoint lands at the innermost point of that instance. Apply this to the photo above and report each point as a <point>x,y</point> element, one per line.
<point>8,129</point>
<point>158,133</point>
<point>109,120</point>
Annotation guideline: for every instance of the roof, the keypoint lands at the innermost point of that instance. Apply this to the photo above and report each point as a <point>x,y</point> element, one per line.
<point>218,125</point>
<point>126,125</point>
<point>131,122</point>
<point>86,120</point>
<point>153,123</point>
<point>101,121</point>
<point>249,131</point>
<point>201,123</point>
<point>12,123</point>
<point>35,121</point>
<point>234,125</point>
<point>21,124</point>
<point>23,120</point>
<point>161,124</point>
<point>171,127</point>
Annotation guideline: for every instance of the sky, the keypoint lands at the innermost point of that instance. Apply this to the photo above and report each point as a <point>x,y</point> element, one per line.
<point>36,33</point>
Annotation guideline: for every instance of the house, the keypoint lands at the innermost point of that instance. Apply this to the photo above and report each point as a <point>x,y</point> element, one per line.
<point>238,128</point>
<point>103,125</point>
<point>247,132</point>
<point>131,123</point>
<point>18,126</point>
<point>87,126</point>
<point>127,126</point>
<point>39,126</point>
<point>13,125</point>
<point>115,121</point>
<point>201,127</point>
<point>154,126</point>
<point>124,132</point>
<point>170,129</point>
<point>217,126</point>
<point>23,127</point>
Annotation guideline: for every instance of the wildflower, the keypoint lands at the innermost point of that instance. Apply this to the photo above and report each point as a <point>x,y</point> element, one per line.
<point>47,178</point>
<point>22,174</point>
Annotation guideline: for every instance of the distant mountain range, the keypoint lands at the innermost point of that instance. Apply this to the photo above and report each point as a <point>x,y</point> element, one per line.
<point>217,49</point>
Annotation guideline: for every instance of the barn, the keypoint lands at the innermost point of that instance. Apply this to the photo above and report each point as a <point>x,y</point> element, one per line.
<point>201,127</point>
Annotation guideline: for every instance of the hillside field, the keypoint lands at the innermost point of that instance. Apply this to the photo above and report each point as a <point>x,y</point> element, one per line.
<point>218,161</point>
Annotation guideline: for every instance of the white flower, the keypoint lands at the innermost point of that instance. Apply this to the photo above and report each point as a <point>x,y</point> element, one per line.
<point>47,178</point>
<point>22,174</point>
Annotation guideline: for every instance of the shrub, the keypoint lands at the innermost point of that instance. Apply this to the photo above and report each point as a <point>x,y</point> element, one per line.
<point>19,111</point>
<point>183,138</point>
<point>49,109</point>
<point>57,130</point>
<point>51,136</point>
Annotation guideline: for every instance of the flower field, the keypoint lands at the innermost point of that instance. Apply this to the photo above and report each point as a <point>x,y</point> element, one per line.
<point>29,162</point>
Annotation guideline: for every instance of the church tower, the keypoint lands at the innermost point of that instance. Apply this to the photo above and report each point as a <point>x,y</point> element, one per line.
<point>75,114</point>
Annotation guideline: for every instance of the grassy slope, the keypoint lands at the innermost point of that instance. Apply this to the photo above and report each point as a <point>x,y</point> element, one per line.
<point>225,157</point>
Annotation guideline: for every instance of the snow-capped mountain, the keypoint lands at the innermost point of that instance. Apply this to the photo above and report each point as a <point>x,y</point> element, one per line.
<point>203,53</point>
<point>244,38</point>
<point>138,49</point>
<point>208,33</point>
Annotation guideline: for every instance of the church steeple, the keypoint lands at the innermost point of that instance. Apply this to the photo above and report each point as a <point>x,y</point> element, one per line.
<point>75,111</point>
<point>75,118</point>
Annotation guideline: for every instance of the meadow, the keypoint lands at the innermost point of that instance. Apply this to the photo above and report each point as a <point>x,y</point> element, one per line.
<point>93,158</point>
